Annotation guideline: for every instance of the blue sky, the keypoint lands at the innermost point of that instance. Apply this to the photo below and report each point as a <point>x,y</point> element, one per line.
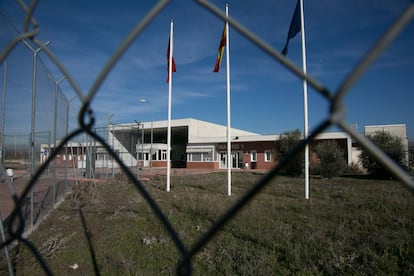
<point>265,97</point>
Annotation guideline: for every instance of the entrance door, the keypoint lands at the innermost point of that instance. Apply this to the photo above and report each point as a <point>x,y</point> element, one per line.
<point>223,160</point>
<point>236,160</point>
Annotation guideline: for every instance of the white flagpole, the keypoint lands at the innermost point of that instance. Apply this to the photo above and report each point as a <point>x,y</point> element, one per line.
<point>229,157</point>
<point>169,106</point>
<point>305,101</point>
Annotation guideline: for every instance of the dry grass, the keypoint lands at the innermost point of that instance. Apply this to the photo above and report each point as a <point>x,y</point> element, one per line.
<point>349,226</point>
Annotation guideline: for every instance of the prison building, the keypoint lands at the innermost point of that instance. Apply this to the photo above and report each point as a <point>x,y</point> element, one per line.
<point>195,144</point>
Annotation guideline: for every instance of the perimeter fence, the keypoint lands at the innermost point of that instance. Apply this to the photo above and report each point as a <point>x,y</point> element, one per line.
<point>17,57</point>
<point>33,119</point>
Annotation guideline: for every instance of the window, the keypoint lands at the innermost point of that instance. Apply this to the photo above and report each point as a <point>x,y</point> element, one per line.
<point>207,156</point>
<point>144,156</point>
<point>253,156</point>
<point>199,156</point>
<point>196,156</point>
<point>268,156</point>
<point>164,155</point>
<point>200,153</point>
<point>100,156</point>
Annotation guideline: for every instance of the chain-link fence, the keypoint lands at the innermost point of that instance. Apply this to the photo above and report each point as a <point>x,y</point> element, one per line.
<point>38,132</point>
<point>124,140</point>
<point>33,119</point>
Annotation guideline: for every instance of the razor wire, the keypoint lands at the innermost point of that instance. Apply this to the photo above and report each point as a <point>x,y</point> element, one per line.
<point>86,123</point>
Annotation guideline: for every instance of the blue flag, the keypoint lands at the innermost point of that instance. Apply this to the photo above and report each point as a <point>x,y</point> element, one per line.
<point>294,28</point>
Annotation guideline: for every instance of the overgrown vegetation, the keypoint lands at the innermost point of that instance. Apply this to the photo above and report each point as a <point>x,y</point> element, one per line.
<point>391,145</point>
<point>348,226</point>
<point>331,161</point>
<point>288,140</point>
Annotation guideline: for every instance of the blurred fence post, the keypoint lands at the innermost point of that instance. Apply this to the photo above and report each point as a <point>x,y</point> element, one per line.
<point>33,125</point>
<point>56,83</point>
<point>111,128</point>
<point>3,110</point>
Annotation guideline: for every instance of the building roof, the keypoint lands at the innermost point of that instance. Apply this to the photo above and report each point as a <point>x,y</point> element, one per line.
<point>197,129</point>
<point>205,132</point>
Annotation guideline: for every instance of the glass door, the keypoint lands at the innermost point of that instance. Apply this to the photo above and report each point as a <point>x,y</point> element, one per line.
<point>236,160</point>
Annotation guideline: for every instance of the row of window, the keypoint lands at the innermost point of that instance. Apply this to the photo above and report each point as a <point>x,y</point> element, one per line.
<point>267,156</point>
<point>208,156</point>
<point>191,157</point>
<point>103,156</point>
<point>73,157</point>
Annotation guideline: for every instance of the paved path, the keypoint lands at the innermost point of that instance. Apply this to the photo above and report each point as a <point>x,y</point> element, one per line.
<point>42,196</point>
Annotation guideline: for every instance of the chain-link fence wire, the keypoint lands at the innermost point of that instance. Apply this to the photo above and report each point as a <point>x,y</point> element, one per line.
<point>29,29</point>
<point>34,116</point>
<point>93,159</point>
<point>27,95</point>
<point>16,149</point>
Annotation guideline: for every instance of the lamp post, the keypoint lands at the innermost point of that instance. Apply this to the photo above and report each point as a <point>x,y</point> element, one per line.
<point>152,129</point>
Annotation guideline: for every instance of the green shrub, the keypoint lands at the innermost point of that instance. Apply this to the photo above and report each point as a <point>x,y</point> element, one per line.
<point>331,159</point>
<point>288,140</point>
<point>353,169</point>
<point>391,145</point>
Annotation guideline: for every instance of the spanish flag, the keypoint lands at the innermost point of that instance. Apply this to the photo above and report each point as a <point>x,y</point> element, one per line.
<point>220,50</point>
<point>174,69</point>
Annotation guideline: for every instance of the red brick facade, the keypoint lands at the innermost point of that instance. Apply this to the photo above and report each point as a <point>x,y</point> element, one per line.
<point>203,165</point>
<point>244,152</point>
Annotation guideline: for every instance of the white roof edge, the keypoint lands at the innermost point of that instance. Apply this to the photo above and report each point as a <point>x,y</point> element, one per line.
<point>389,125</point>
<point>160,124</point>
<point>222,139</point>
<point>178,123</point>
<point>332,135</point>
